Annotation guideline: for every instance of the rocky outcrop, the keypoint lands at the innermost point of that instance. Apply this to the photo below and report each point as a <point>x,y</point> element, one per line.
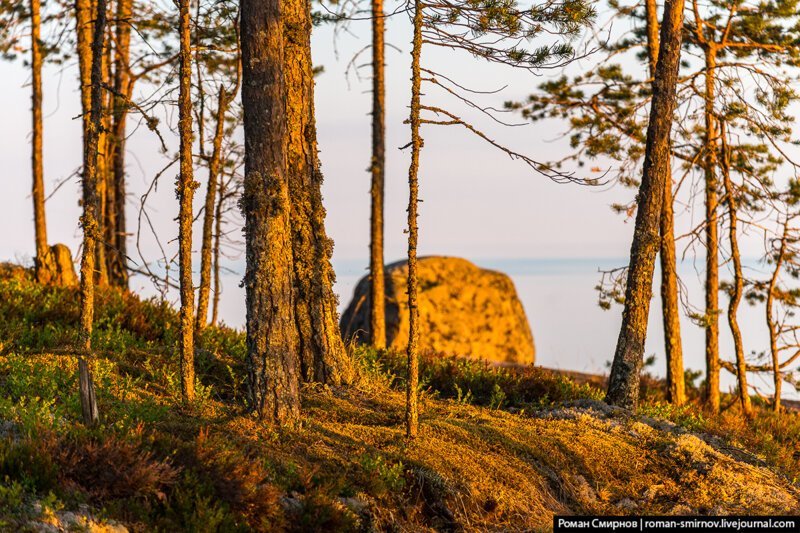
<point>463,309</point>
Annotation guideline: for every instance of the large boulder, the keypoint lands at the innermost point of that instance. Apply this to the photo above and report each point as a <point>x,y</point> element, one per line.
<point>463,310</point>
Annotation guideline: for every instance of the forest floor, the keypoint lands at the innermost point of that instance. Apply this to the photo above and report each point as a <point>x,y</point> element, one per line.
<point>499,449</point>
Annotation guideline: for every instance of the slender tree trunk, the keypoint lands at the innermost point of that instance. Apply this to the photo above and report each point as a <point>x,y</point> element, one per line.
<point>771,326</point>
<point>86,12</point>
<point>83,30</point>
<point>123,91</point>
<point>103,186</point>
<point>623,387</point>
<point>323,357</point>
<point>223,102</point>
<point>377,284</point>
<point>412,409</point>
<point>676,385</point>
<point>738,278</point>
<point>89,219</point>
<point>44,266</point>
<point>272,355</point>
<point>216,252</point>
<point>712,240</point>
<point>186,187</point>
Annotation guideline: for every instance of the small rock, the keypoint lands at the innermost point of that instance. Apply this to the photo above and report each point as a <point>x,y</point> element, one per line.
<point>354,504</point>
<point>681,510</point>
<point>626,504</point>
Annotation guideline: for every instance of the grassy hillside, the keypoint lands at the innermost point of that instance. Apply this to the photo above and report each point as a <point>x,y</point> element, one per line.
<point>500,449</point>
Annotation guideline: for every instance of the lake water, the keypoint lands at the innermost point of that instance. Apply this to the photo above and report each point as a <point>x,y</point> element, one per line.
<point>571,331</point>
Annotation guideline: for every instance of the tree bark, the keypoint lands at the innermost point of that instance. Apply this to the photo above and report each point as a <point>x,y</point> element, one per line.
<point>44,263</point>
<point>216,252</point>
<point>738,279</point>
<point>623,388</point>
<point>123,91</point>
<point>378,168</point>
<point>89,220</point>
<point>676,385</point>
<point>86,12</point>
<point>771,326</point>
<point>712,239</point>
<point>186,186</point>
<point>272,344</point>
<point>208,216</point>
<point>412,408</point>
<point>323,357</point>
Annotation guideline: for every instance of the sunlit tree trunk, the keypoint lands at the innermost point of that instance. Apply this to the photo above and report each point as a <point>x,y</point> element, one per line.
<point>712,239</point>
<point>377,307</point>
<point>738,278</point>
<point>771,325</point>
<point>86,11</point>
<point>123,91</point>
<point>44,263</point>
<point>208,215</point>
<point>676,386</point>
<point>412,408</point>
<point>323,357</point>
<point>623,388</point>
<point>89,219</point>
<point>216,252</point>
<point>272,344</point>
<point>186,186</point>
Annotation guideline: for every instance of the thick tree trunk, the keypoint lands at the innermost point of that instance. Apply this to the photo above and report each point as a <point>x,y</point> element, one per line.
<point>44,262</point>
<point>712,240</point>
<point>89,219</point>
<point>208,215</point>
<point>186,187</point>
<point>676,385</point>
<point>323,357</point>
<point>123,91</point>
<point>623,387</point>
<point>377,318</point>
<point>272,355</point>
<point>738,279</point>
<point>412,408</point>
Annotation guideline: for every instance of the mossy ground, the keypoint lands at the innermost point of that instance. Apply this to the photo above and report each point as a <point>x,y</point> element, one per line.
<point>499,449</point>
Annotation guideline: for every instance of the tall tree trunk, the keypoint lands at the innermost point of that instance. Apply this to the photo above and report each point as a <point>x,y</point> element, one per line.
<point>186,187</point>
<point>377,317</point>
<point>272,355</point>
<point>623,387</point>
<point>738,279</point>
<point>412,409</point>
<point>676,385</point>
<point>123,91</point>
<point>86,11</point>
<point>216,252</point>
<point>208,216</point>
<point>712,239</point>
<point>771,326</point>
<point>89,219</point>
<point>323,357</point>
<point>44,264</point>
<point>103,185</point>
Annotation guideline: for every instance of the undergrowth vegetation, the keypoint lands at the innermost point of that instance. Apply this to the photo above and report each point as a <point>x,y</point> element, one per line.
<point>156,464</point>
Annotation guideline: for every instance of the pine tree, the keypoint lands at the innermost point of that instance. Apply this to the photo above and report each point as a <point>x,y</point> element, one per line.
<point>272,340</point>
<point>185,191</point>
